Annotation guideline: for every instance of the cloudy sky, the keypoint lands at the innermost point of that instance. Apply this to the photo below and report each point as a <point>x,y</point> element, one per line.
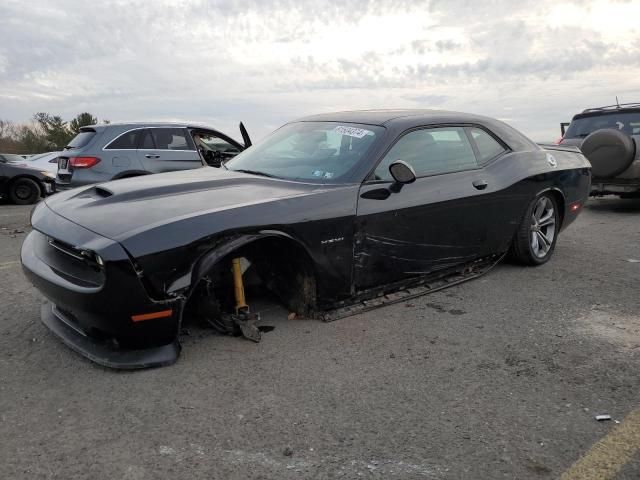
<point>530,63</point>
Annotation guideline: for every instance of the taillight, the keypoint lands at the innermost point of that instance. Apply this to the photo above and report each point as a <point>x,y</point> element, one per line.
<point>83,162</point>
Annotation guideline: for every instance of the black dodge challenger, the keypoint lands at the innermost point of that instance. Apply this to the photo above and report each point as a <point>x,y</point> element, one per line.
<point>333,213</point>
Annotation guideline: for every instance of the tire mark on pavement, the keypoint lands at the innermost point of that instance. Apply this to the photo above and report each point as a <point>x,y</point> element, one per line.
<point>6,265</point>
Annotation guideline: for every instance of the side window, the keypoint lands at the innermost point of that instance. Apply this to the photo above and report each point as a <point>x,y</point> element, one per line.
<point>430,151</point>
<point>210,142</point>
<point>126,141</point>
<point>171,139</point>
<point>488,147</point>
<point>147,142</point>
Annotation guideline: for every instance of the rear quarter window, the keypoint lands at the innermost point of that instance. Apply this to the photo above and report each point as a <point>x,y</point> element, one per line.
<point>126,141</point>
<point>488,147</point>
<point>81,139</point>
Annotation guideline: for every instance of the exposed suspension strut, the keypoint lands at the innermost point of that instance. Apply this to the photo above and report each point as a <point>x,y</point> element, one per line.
<point>243,317</point>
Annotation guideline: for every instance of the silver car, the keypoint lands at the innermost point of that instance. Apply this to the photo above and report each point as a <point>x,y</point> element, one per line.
<point>100,153</point>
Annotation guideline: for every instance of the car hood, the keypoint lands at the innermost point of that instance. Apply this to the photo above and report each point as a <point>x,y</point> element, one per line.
<point>124,208</point>
<point>14,169</point>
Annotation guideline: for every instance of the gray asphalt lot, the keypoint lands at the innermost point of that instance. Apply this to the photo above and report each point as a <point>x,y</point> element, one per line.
<point>500,377</point>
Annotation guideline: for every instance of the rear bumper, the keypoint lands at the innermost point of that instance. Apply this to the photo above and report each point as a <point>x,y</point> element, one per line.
<point>81,177</point>
<point>105,312</point>
<point>61,187</point>
<point>576,196</point>
<point>103,353</point>
<point>607,187</point>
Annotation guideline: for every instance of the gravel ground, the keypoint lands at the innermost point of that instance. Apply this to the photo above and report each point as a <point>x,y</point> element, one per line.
<point>497,378</point>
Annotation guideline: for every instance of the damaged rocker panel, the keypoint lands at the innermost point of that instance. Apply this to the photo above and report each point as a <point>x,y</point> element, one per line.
<point>408,289</point>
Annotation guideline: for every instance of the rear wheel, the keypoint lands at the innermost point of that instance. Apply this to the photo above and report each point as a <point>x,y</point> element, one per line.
<point>536,237</point>
<point>24,191</point>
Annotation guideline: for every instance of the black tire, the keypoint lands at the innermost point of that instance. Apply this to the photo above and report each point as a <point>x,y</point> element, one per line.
<point>523,249</point>
<point>609,151</point>
<point>24,191</point>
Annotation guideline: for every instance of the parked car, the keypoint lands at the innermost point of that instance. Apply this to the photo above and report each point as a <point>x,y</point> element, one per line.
<point>608,136</point>
<point>100,153</point>
<point>44,161</point>
<point>22,184</point>
<point>331,212</point>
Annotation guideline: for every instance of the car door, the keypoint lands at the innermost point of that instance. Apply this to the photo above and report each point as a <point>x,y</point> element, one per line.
<point>434,223</point>
<point>215,148</point>
<point>166,149</point>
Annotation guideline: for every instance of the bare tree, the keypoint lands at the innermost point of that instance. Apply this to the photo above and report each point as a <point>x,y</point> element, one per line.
<point>7,129</point>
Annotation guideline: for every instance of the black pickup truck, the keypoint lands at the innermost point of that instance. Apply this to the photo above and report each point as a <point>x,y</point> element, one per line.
<point>608,137</point>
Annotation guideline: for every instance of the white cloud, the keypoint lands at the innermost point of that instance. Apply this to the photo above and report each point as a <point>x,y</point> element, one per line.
<point>267,62</point>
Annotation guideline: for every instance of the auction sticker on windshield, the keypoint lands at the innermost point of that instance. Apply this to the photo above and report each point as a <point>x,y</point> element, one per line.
<point>352,131</point>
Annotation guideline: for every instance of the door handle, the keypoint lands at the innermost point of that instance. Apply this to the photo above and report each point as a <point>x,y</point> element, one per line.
<point>480,184</point>
<point>149,155</point>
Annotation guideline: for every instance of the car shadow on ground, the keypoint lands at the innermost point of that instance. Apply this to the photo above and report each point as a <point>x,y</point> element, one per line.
<point>614,204</point>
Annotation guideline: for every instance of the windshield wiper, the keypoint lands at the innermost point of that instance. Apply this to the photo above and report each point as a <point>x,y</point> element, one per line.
<point>255,172</point>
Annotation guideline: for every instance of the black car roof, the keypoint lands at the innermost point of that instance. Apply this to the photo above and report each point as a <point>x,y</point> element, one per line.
<point>407,117</point>
<point>402,119</point>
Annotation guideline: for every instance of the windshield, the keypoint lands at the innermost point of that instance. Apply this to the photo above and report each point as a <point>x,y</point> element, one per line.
<point>323,152</point>
<point>627,122</point>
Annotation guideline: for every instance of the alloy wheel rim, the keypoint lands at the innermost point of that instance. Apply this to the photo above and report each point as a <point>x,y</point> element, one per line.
<point>23,192</point>
<point>543,227</point>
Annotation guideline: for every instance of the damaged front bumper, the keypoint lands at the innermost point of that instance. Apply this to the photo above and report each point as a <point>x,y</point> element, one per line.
<point>101,308</point>
<point>103,352</point>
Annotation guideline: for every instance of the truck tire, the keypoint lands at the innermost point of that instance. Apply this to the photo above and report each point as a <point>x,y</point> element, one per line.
<point>609,151</point>
<point>24,191</point>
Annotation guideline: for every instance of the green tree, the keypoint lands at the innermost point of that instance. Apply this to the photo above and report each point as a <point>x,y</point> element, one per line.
<point>82,120</point>
<point>55,129</point>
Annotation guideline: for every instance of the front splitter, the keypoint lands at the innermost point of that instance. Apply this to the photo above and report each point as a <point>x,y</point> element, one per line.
<point>101,354</point>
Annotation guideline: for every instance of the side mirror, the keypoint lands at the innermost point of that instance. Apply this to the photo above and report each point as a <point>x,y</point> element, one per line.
<point>402,172</point>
